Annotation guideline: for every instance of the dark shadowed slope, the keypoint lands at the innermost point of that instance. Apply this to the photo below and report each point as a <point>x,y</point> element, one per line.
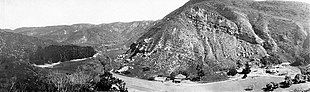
<point>206,36</point>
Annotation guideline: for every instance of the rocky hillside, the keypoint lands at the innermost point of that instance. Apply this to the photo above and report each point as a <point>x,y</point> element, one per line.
<point>204,37</point>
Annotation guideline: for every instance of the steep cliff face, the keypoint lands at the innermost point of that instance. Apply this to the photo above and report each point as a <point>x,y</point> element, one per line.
<point>207,36</point>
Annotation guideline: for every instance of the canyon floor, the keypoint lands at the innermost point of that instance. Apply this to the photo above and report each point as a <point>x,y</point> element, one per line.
<point>256,79</point>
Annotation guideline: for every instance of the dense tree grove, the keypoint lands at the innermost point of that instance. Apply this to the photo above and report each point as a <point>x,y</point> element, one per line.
<point>56,53</point>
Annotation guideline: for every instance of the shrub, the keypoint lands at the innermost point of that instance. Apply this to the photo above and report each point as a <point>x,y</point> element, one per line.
<point>200,72</point>
<point>297,63</point>
<point>232,72</point>
<point>107,81</point>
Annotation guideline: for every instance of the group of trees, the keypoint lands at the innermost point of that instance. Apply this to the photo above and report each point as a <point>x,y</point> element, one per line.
<point>21,76</point>
<point>56,53</point>
<point>61,83</point>
<point>108,82</point>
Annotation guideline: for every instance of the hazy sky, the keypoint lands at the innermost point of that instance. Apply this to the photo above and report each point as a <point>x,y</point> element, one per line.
<point>33,13</point>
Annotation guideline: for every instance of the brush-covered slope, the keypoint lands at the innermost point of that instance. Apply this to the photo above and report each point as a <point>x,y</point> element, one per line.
<point>204,37</point>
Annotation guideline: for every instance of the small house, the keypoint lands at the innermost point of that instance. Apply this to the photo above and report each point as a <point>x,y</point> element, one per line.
<point>161,79</point>
<point>178,78</point>
<point>285,64</point>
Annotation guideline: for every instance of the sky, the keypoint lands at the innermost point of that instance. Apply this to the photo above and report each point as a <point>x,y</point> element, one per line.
<point>32,13</point>
<point>37,13</point>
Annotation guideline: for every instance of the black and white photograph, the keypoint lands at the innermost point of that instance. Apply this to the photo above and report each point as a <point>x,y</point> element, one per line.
<point>154,45</point>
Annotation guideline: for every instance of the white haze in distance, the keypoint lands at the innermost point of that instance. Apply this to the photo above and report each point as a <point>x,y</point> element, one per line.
<point>34,13</point>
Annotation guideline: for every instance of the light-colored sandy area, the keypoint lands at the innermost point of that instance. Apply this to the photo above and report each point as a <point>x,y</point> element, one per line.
<point>47,65</point>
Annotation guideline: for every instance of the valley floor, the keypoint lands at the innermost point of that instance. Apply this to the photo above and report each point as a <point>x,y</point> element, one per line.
<point>257,80</point>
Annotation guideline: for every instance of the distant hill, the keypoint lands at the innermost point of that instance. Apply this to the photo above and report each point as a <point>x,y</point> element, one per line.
<point>89,34</point>
<point>20,46</point>
<point>203,38</point>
